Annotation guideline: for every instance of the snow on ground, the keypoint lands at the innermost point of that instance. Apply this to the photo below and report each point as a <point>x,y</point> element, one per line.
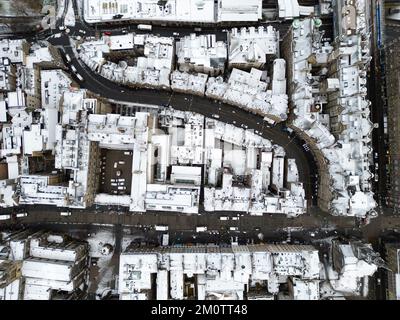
<point>106,274</point>
<point>79,4</point>
<point>70,16</point>
<point>105,266</point>
<point>127,239</point>
<point>60,8</point>
<point>97,240</point>
<point>18,8</point>
<point>44,23</point>
<point>108,264</point>
<point>327,240</point>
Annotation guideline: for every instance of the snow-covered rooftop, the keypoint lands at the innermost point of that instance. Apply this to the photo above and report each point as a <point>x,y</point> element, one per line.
<point>251,47</point>
<point>201,53</point>
<point>221,271</point>
<point>206,11</point>
<point>344,138</point>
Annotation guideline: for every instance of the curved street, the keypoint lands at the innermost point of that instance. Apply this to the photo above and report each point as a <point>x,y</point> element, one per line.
<point>202,105</point>
<point>110,230</point>
<point>105,88</point>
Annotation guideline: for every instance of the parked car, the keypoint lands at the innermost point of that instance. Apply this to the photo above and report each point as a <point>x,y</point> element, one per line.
<point>22,214</point>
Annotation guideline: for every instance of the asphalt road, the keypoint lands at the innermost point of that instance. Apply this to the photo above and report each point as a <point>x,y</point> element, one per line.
<point>182,226</point>
<point>116,27</point>
<point>202,105</point>
<point>177,222</point>
<point>164,29</point>
<point>272,226</point>
<point>392,30</point>
<point>377,114</point>
<point>229,114</point>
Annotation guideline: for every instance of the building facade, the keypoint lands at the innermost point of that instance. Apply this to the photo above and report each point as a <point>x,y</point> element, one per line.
<point>392,123</point>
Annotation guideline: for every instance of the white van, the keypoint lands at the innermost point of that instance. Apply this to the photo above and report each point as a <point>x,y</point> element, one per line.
<point>161,228</point>
<point>270,121</point>
<point>165,239</point>
<point>201,229</point>
<point>65,213</point>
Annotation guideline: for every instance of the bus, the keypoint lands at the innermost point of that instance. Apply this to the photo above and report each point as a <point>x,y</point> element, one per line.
<point>145,27</point>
